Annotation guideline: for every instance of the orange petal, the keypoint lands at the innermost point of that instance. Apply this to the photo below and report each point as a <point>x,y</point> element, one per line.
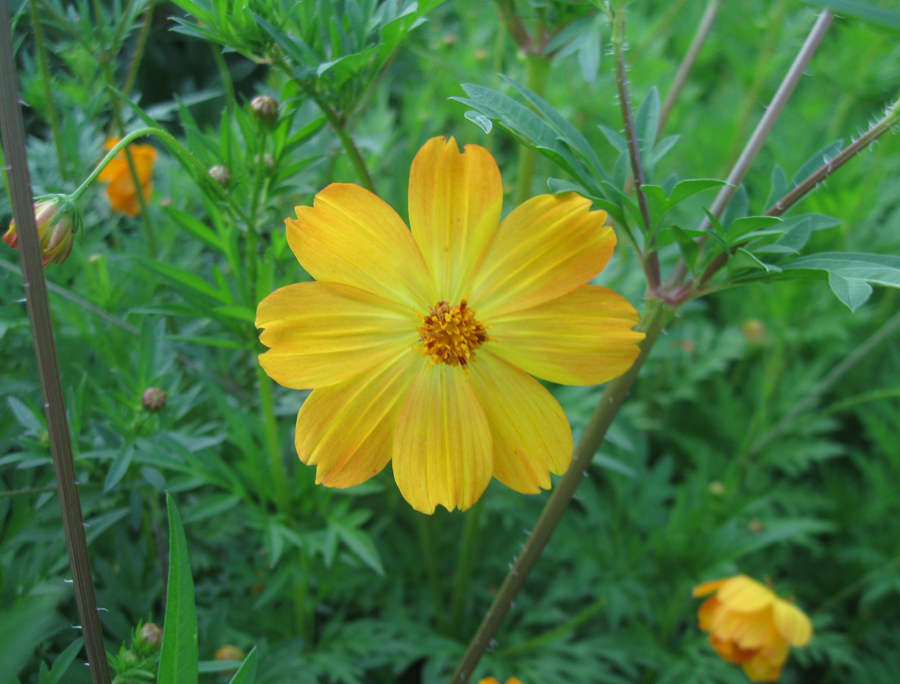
<point>766,664</point>
<point>745,595</point>
<point>351,236</point>
<point>792,623</point>
<point>708,587</point>
<point>757,629</point>
<point>530,430</point>
<point>442,447</point>
<point>489,680</point>
<point>708,610</point>
<point>545,248</point>
<point>454,208</point>
<point>729,651</point>
<point>321,334</point>
<point>582,338</point>
<point>347,429</point>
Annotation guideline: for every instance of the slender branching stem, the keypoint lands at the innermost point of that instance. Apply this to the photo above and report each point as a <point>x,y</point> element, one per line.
<point>657,314</point>
<point>135,63</point>
<point>706,22</point>
<point>754,145</point>
<point>650,259</point>
<point>13,140</point>
<point>862,351</point>
<point>47,82</point>
<point>807,185</point>
<point>513,24</point>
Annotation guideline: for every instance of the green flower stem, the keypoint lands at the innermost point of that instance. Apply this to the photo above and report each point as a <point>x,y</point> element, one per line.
<point>139,50</point>
<point>13,141</point>
<point>47,82</point>
<point>657,314</point>
<point>754,145</point>
<point>270,437</point>
<point>706,22</point>
<point>839,371</point>
<point>537,67</point>
<point>253,212</point>
<point>533,645</point>
<point>425,526</point>
<point>648,257</point>
<point>465,566</point>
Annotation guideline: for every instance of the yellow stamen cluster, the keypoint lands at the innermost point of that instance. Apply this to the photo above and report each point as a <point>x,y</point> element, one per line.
<point>450,334</point>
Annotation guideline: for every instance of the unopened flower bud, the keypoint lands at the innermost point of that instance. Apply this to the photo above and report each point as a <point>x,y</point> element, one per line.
<point>154,399</point>
<point>130,659</point>
<point>716,488</point>
<point>755,526</point>
<point>265,109</point>
<point>229,652</point>
<point>754,332</point>
<point>221,175</point>
<point>149,639</point>
<point>268,160</point>
<point>57,221</point>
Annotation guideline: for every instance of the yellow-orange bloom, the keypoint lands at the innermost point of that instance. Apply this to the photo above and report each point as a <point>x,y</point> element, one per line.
<point>493,680</point>
<point>414,342</point>
<point>120,190</point>
<point>750,626</point>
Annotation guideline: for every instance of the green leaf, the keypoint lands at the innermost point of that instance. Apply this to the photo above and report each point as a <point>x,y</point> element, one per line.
<point>189,282</point>
<point>743,260</point>
<point>688,247</point>
<point>692,186</point>
<point>779,186</point>
<point>850,274</point>
<point>646,122</point>
<point>246,673</point>
<point>875,15</point>
<point>749,224</point>
<point>119,467</point>
<point>359,543</point>
<point>63,662</point>
<point>22,629</point>
<point>179,656</point>
<point>820,158</point>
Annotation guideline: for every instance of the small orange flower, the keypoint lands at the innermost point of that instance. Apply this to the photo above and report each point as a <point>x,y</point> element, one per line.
<point>493,680</point>
<point>57,221</point>
<point>750,626</point>
<point>121,191</point>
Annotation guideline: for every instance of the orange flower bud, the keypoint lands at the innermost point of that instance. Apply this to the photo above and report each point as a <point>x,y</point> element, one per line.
<point>750,626</point>
<point>229,652</point>
<point>57,222</point>
<point>121,190</point>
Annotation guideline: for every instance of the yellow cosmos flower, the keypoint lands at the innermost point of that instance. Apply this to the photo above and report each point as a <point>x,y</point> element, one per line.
<point>415,342</point>
<point>120,190</point>
<point>493,680</point>
<point>750,626</point>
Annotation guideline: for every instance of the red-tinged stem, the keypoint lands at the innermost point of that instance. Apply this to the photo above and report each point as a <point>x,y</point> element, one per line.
<point>13,136</point>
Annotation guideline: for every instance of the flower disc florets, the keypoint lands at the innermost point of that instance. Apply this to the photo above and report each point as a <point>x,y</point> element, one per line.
<point>450,334</point>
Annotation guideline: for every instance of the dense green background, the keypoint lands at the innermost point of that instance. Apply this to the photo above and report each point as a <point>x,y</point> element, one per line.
<point>700,478</point>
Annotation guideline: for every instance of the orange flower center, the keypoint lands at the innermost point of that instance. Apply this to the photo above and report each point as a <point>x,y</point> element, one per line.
<point>451,334</point>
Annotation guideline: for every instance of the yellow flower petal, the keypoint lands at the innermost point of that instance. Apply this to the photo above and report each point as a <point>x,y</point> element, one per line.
<point>489,680</point>
<point>353,237</point>
<point>792,623</point>
<point>530,431</point>
<point>582,338</point>
<point>766,664</point>
<point>708,588</point>
<point>745,595</point>
<point>347,429</point>
<point>454,208</point>
<point>545,248</point>
<point>321,334</point>
<point>442,447</point>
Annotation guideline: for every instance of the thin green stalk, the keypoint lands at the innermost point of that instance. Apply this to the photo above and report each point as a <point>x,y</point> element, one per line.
<point>885,331</point>
<point>424,525</point>
<point>537,642</point>
<point>139,49</point>
<point>12,494</point>
<point>47,83</point>
<point>253,213</point>
<point>649,258</point>
<point>465,566</point>
<point>270,437</point>
<point>754,145</point>
<point>12,132</point>
<point>706,22</point>
<point>658,313</point>
<point>537,67</point>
